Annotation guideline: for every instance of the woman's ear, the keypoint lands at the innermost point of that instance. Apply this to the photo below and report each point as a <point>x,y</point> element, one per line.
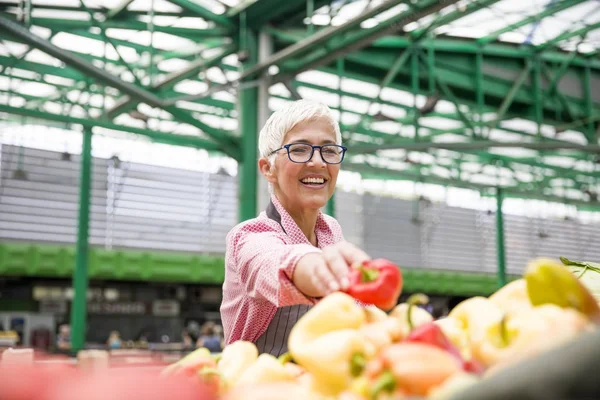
<point>267,169</point>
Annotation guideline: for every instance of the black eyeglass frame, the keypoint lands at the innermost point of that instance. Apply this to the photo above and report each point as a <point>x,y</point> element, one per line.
<point>312,153</point>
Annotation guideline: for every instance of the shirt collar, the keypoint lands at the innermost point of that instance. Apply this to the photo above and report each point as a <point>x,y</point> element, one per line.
<point>292,229</point>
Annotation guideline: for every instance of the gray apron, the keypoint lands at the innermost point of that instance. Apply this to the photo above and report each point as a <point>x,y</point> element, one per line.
<point>274,340</point>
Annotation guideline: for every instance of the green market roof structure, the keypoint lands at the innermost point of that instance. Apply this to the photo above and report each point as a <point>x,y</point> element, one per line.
<point>477,94</point>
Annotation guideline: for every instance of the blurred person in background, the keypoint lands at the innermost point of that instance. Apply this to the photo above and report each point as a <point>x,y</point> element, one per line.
<point>281,263</point>
<point>210,338</point>
<point>114,340</point>
<point>63,339</point>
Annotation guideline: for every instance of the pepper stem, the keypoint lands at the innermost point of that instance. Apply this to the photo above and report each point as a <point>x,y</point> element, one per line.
<point>368,274</point>
<point>385,383</point>
<point>414,300</point>
<point>285,358</point>
<point>504,331</point>
<point>357,364</point>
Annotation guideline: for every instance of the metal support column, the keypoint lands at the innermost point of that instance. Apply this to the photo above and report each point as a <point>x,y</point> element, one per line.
<point>248,125</point>
<point>80,275</point>
<point>265,49</point>
<point>500,238</point>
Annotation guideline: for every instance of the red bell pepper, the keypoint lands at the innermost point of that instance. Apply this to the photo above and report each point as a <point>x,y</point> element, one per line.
<point>430,333</point>
<point>377,282</point>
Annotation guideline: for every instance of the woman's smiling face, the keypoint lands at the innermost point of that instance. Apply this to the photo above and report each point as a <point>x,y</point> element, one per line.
<point>307,185</point>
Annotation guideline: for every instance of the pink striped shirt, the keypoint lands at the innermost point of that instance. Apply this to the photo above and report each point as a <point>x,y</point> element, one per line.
<point>260,259</point>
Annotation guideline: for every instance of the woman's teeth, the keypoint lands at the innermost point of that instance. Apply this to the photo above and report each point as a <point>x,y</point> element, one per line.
<point>314,181</point>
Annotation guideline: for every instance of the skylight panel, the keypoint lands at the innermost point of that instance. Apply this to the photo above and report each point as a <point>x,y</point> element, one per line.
<point>173,64</point>
<point>58,80</point>
<point>23,73</point>
<point>80,44</point>
<point>573,137</point>
<point>319,78</point>
<point>159,6</point>
<point>214,6</point>
<point>389,127</point>
<point>191,87</point>
<point>513,152</point>
<point>40,31</point>
<point>225,96</point>
<point>37,12</point>
<point>37,89</point>
<point>440,123</point>
<point>397,96</point>
<point>15,49</point>
<point>53,107</point>
<point>331,99</point>
<point>16,101</point>
<point>392,112</point>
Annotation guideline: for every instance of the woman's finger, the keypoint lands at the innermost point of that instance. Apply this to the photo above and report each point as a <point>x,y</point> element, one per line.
<point>352,254</point>
<point>323,279</point>
<point>337,265</point>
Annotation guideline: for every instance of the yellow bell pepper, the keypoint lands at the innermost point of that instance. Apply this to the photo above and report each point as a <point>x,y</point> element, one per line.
<point>529,333</point>
<point>549,282</point>
<point>452,328</point>
<point>418,317</point>
<point>192,363</point>
<point>513,297</point>
<point>374,314</point>
<point>380,334</point>
<point>326,340</point>
<point>475,315</point>
<point>265,369</point>
<point>235,359</point>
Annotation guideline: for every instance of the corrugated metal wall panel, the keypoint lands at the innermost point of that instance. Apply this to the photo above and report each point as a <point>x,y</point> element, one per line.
<point>389,230</point>
<point>349,212</point>
<point>150,207</point>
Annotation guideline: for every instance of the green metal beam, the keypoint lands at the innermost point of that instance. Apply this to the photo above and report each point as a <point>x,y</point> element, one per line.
<point>160,137</point>
<point>68,25</point>
<point>510,96</point>
<point>552,9</point>
<point>248,126</point>
<point>118,9</point>
<point>501,251</point>
<point>203,12</point>
<point>80,276</point>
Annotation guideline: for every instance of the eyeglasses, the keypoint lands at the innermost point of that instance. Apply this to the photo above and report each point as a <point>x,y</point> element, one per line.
<point>303,152</point>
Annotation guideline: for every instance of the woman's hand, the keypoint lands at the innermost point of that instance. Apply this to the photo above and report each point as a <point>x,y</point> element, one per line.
<point>318,274</point>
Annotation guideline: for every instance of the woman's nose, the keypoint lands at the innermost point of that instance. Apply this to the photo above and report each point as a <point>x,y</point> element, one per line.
<point>316,158</point>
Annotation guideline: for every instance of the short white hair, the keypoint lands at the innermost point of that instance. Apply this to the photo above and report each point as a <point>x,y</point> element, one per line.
<point>284,120</point>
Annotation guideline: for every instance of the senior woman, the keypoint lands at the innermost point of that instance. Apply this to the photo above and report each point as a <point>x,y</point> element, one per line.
<point>281,263</point>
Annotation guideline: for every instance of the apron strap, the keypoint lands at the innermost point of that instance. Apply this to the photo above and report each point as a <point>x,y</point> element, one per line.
<point>275,339</point>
